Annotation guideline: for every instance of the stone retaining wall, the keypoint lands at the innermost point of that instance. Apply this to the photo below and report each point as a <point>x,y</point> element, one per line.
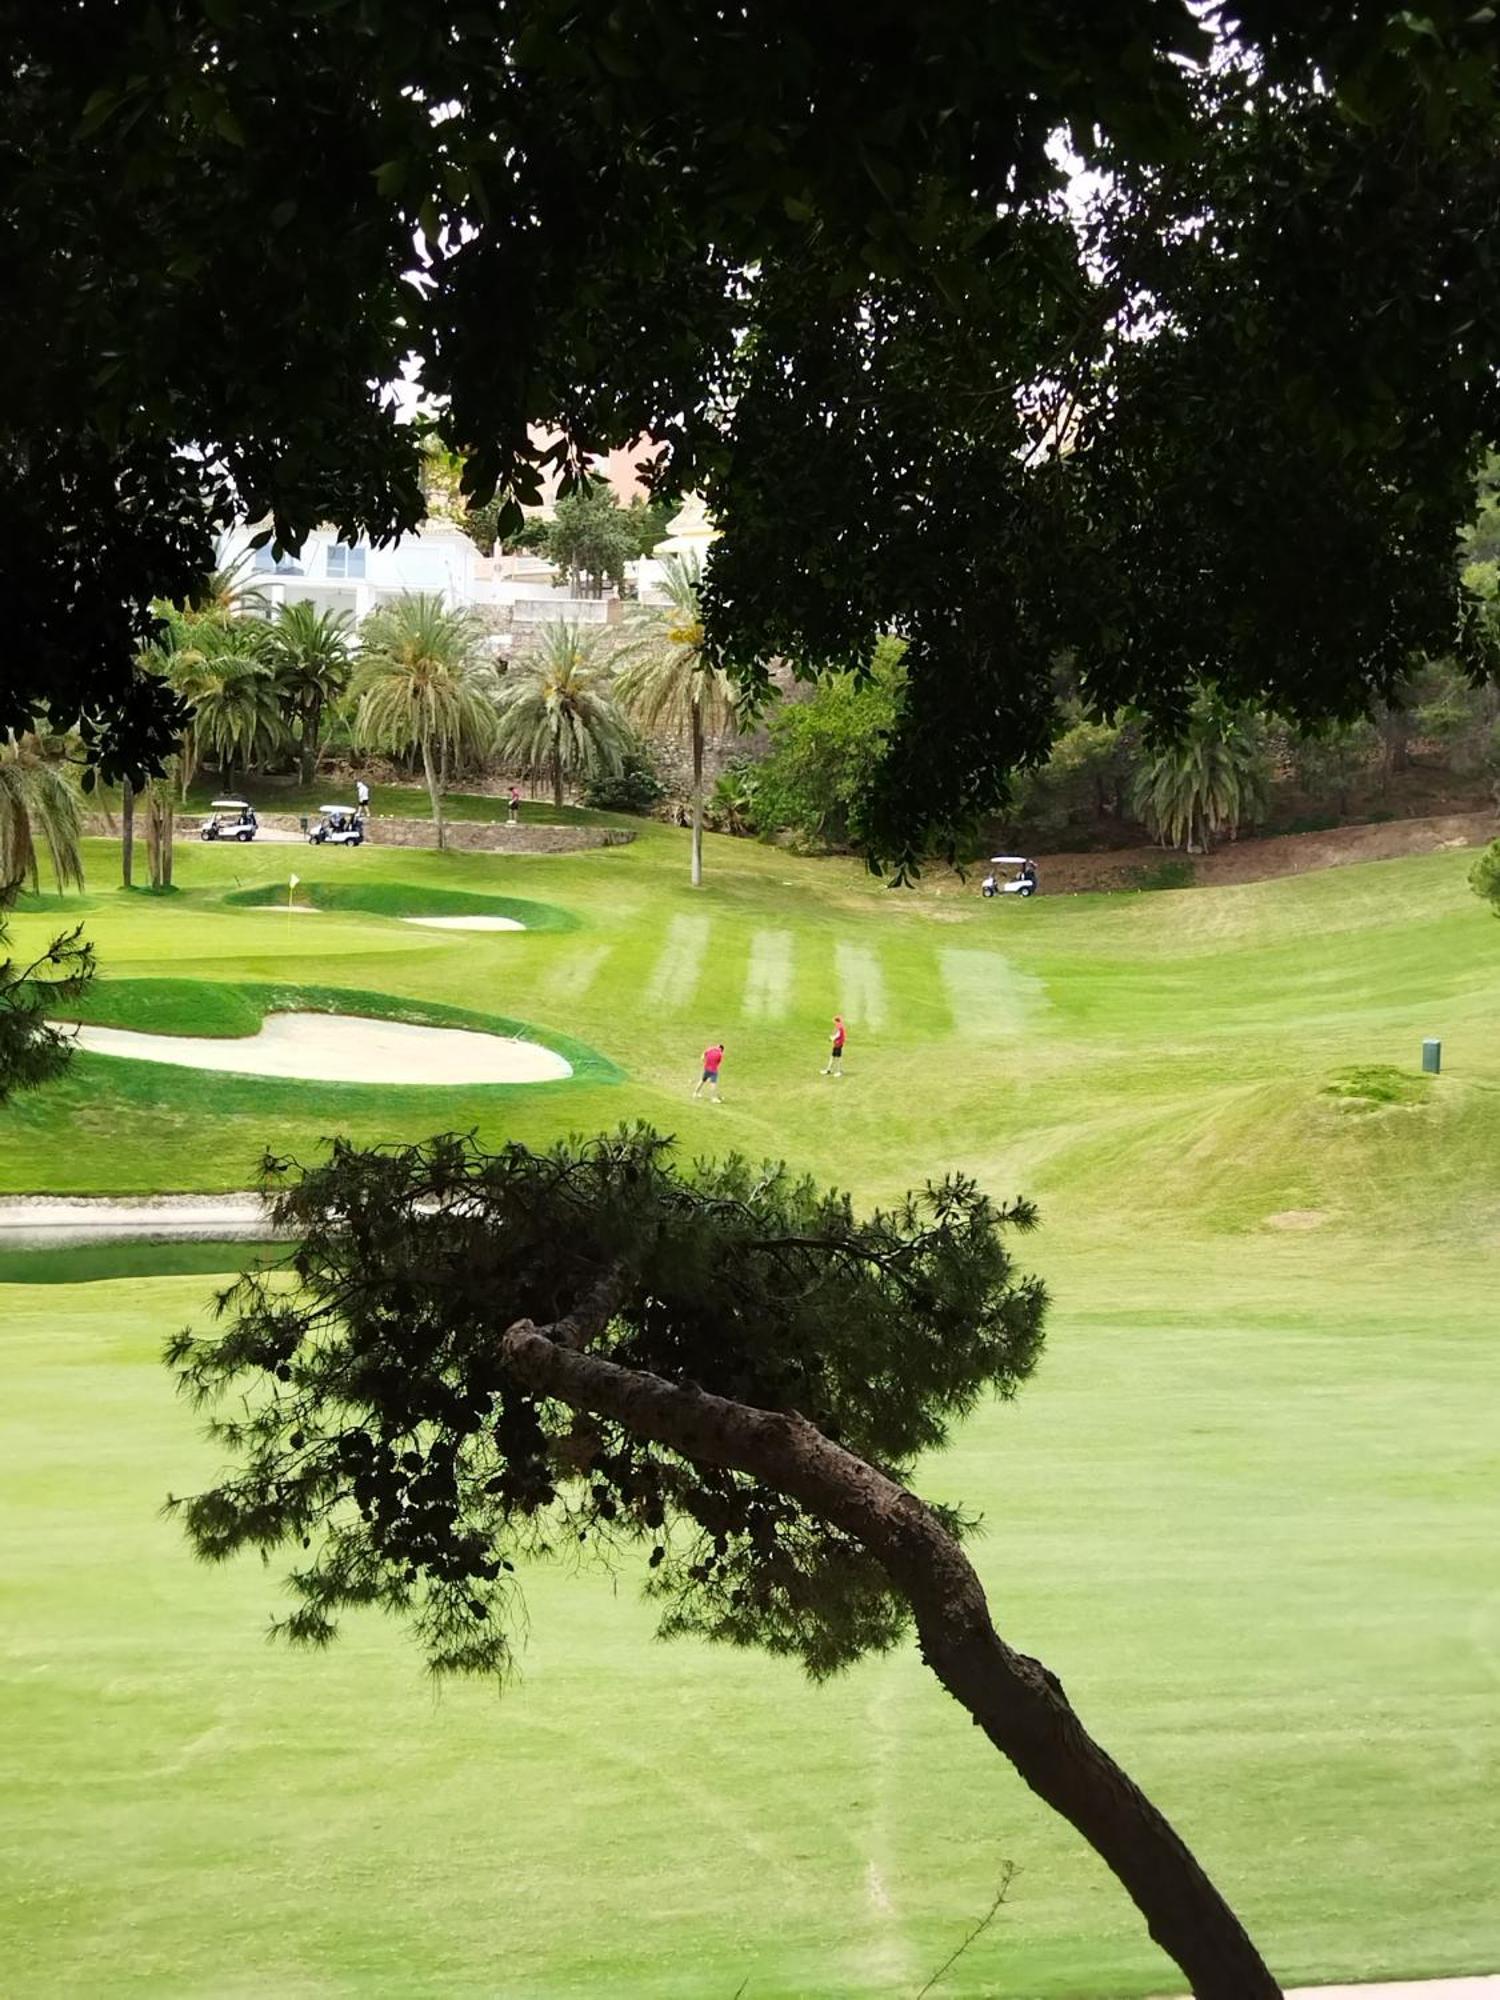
<point>496,836</point>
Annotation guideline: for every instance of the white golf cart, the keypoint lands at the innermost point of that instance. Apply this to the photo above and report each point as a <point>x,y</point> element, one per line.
<point>1022,883</point>
<point>337,826</point>
<point>229,819</point>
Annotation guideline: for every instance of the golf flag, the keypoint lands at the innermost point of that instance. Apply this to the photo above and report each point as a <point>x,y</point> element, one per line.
<point>291,889</point>
<point>295,880</point>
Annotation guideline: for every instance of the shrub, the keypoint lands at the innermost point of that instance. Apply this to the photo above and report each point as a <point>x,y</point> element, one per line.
<point>1484,876</point>
<point>1373,1086</point>
<point>634,788</point>
<point>1164,875</point>
<point>826,752</point>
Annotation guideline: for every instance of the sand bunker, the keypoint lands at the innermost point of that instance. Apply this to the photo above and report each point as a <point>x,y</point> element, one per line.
<point>466,923</point>
<point>342,1048</point>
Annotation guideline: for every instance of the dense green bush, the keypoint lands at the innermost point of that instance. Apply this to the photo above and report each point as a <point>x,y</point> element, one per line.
<point>1484,876</point>
<point>826,751</point>
<point>634,788</point>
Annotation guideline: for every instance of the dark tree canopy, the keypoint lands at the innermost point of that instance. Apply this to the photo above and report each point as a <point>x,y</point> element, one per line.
<point>829,261</point>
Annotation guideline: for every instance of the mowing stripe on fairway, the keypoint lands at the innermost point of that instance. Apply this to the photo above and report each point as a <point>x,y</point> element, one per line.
<point>861,985</point>
<point>768,980</point>
<point>675,978</point>
<point>986,991</point>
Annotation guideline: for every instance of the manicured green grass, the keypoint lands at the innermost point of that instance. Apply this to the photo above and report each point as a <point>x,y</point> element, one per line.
<point>1246,1510</point>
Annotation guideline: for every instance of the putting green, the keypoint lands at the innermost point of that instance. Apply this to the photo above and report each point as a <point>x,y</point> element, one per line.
<point>1246,1510</point>
<point>416,902</point>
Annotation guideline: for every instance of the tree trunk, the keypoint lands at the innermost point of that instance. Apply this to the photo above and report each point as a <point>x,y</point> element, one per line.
<point>697,866</point>
<point>1396,730</point>
<point>1014,1699</point>
<point>557,797</point>
<point>127,835</point>
<point>434,792</point>
<point>307,746</point>
<point>168,835</point>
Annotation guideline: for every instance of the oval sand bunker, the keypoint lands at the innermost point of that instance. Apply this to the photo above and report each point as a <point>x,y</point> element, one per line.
<point>466,923</point>
<point>342,1048</point>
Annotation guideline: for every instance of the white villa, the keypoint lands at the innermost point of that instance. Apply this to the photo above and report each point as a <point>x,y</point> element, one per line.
<point>438,559</point>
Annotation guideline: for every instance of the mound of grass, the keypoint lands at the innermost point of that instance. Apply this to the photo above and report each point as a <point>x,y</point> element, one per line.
<point>1377,1086</point>
<point>406,899</point>
<point>47,901</point>
<point>170,1007</point>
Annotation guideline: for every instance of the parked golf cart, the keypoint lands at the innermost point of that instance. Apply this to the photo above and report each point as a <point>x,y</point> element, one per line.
<point>1023,882</point>
<point>229,819</point>
<point>337,826</point>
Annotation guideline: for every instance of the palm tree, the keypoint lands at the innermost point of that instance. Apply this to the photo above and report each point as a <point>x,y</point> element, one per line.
<point>424,683</point>
<point>224,592</point>
<point>311,660</point>
<point>557,712</point>
<point>1210,781</point>
<point>667,683</point>
<point>160,800</point>
<point>38,801</point>
<point>221,668</point>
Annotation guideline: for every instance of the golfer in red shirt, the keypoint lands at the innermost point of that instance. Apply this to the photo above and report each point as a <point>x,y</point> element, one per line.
<point>713,1055</point>
<point>835,1063</point>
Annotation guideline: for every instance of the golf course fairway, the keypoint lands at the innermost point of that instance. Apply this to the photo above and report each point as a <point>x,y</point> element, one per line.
<point>1248,1510</point>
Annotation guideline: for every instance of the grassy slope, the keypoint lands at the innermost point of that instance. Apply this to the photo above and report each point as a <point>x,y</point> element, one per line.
<point>1246,1511</point>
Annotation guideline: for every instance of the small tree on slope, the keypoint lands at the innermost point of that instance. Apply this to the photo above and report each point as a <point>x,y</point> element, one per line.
<point>32,1051</point>
<point>494,1358</point>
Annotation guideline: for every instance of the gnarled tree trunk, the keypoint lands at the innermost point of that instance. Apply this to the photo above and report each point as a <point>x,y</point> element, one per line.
<point>127,834</point>
<point>1014,1699</point>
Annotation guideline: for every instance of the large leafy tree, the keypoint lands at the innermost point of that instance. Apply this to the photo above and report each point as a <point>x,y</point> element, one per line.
<point>1216,407</point>
<point>311,657</point>
<point>591,536</point>
<point>425,685</point>
<point>491,1359</point>
<point>668,683</point>
<point>558,714</point>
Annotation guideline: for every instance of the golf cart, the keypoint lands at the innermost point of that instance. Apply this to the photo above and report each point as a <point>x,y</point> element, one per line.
<point>1022,883</point>
<point>337,826</point>
<point>229,819</point>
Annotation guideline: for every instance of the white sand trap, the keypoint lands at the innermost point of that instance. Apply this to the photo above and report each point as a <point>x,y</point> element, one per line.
<point>342,1048</point>
<point>466,923</point>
